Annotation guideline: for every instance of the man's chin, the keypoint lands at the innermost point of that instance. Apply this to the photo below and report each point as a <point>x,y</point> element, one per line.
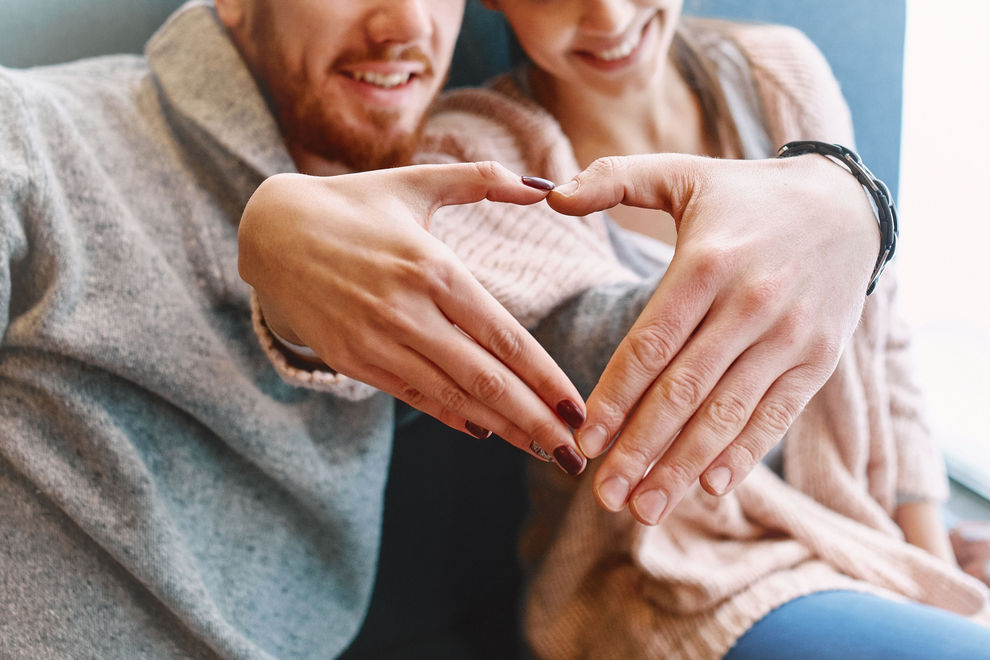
<point>376,152</point>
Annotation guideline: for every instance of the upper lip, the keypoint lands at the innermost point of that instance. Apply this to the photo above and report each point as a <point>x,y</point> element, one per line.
<point>386,67</point>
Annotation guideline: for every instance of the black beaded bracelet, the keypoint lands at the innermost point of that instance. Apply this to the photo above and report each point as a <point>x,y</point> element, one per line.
<point>877,190</point>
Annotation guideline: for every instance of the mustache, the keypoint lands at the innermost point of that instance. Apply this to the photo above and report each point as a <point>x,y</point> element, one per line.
<point>385,53</point>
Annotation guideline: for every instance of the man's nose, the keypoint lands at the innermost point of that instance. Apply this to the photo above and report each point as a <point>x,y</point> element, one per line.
<point>400,22</point>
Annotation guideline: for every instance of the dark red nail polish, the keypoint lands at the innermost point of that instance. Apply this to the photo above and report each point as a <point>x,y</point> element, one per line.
<point>477,431</point>
<point>538,183</point>
<point>569,460</point>
<point>570,413</point>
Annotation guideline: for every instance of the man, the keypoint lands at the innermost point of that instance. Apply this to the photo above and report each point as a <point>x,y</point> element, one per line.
<point>164,493</point>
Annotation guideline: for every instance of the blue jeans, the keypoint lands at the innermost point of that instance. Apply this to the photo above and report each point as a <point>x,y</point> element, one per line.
<point>841,625</point>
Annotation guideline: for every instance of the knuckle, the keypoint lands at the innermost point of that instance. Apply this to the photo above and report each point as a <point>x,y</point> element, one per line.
<point>794,330</point>
<point>435,271</point>
<point>490,169</point>
<point>761,295</point>
<point>543,432</point>
<point>607,166</point>
<point>743,457</point>
<point>411,395</point>
<point>609,412</point>
<point>392,316</point>
<point>490,386</point>
<point>728,411</point>
<point>651,348</point>
<point>452,397</point>
<point>678,475</point>
<point>710,263</point>
<point>506,344</point>
<point>635,456</point>
<point>776,417</point>
<point>683,389</point>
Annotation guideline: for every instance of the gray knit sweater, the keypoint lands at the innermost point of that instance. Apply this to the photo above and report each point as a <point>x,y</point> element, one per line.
<point>162,492</point>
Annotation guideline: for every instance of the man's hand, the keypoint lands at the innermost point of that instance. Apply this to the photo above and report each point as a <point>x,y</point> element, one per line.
<point>766,286</point>
<point>346,266</point>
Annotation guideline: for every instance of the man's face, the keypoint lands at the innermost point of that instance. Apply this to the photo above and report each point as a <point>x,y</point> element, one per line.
<point>350,80</point>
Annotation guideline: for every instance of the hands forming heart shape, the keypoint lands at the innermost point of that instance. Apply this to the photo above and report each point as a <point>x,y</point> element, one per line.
<point>765,289</point>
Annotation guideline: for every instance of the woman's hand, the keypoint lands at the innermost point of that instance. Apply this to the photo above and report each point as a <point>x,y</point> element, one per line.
<point>922,525</point>
<point>971,544</point>
<point>766,286</point>
<point>346,266</point>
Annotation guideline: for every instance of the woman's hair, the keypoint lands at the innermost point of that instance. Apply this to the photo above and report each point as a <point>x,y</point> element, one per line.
<point>700,74</point>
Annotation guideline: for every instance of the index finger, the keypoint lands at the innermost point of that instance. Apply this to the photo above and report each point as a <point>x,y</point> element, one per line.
<point>477,313</point>
<point>428,187</point>
<point>678,306</point>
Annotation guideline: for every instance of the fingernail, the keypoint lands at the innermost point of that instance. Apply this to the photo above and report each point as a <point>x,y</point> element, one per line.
<point>568,188</point>
<point>570,413</point>
<point>613,492</point>
<point>592,440</point>
<point>569,460</point>
<point>477,431</point>
<point>538,183</point>
<point>718,479</point>
<point>650,505</point>
<point>539,451</point>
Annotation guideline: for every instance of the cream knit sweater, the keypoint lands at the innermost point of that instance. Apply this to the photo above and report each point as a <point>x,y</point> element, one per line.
<point>604,586</point>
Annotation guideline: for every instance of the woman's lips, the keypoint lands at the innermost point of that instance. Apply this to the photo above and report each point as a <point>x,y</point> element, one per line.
<point>620,55</point>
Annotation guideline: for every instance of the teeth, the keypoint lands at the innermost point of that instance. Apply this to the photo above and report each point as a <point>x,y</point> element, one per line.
<point>386,80</point>
<point>620,51</point>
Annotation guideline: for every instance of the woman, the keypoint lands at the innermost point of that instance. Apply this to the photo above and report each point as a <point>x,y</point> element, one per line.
<point>628,77</point>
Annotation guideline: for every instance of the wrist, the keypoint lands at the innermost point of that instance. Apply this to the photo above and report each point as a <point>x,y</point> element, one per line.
<point>876,191</point>
<point>284,338</point>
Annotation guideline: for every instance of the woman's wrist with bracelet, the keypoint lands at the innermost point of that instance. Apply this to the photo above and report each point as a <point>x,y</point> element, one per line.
<point>879,194</point>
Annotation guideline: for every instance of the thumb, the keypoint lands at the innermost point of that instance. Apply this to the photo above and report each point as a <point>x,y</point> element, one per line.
<point>653,181</point>
<point>428,187</point>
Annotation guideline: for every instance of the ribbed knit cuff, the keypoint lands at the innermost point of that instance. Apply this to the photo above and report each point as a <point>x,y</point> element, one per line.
<point>314,377</point>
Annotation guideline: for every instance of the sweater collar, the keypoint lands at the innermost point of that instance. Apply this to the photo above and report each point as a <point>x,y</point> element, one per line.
<point>203,77</point>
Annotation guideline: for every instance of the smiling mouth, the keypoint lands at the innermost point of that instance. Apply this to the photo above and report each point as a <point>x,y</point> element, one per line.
<point>623,50</point>
<point>382,80</point>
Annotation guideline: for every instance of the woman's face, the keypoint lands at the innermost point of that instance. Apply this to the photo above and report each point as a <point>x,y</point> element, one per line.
<point>606,45</point>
